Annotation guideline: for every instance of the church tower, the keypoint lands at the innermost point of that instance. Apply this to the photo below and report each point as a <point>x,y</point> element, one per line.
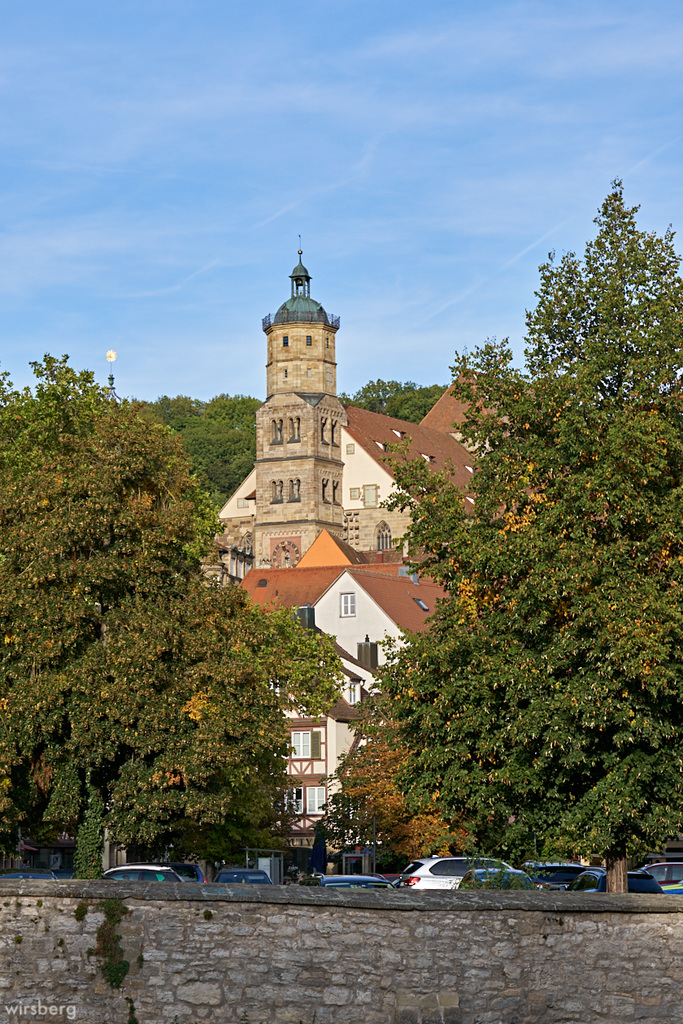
<point>298,431</point>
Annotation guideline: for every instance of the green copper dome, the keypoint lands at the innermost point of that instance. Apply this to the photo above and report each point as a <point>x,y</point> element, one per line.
<point>300,306</point>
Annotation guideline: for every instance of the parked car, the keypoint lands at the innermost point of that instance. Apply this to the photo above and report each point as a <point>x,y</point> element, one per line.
<point>496,878</point>
<point>595,880</point>
<point>553,874</point>
<point>9,873</point>
<point>188,872</point>
<point>443,872</point>
<point>351,882</point>
<point>666,872</point>
<point>242,876</point>
<point>142,873</point>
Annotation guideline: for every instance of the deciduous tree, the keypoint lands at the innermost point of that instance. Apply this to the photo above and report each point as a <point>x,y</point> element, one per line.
<point>545,703</point>
<point>121,669</point>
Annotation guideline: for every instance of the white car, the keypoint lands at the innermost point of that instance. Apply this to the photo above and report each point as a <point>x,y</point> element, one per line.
<point>443,872</point>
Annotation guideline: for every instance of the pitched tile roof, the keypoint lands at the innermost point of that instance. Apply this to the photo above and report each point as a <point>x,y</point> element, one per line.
<point>327,550</point>
<point>400,598</point>
<point>289,587</point>
<point>342,711</point>
<point>448,411</point>
<point>396,595</point>
<point>373,431</point>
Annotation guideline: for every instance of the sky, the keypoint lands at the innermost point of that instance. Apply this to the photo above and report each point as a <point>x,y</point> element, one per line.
<point>160,159</point>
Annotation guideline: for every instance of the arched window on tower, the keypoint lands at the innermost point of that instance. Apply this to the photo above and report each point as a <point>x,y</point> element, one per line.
<point>326,491</point>
<point>278,488</point>
<point>335,493</point>
<point>323,427</point>
<point>277,432</point>
<point>247,544</point>
<point>294,429</point>
<point>333,432</point>
<point>383,537</point>
<point>295,490</point>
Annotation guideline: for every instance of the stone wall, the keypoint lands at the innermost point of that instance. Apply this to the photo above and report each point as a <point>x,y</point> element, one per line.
<point>288,954</point>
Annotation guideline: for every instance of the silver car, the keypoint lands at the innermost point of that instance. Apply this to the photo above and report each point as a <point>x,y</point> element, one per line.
<point>443,872</point>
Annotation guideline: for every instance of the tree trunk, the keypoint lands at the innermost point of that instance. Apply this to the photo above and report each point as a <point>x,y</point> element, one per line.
<point>617,872</point>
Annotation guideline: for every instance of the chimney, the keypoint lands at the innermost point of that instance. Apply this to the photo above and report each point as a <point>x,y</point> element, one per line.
<point>367,653</point>
<point>305,613</point>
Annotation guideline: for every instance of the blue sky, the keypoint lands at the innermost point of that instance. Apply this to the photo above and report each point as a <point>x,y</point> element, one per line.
<point>160,158</point>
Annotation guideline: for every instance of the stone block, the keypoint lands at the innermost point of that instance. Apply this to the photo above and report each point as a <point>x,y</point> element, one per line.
<point>448,999</point>
<point>407,1015</point>
<point>200,993</point>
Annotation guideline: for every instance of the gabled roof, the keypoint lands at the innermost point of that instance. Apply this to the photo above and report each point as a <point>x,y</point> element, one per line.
<point>399,597</point>
<point>327,550</point>
<point>374,431</point>
<point>396,595</point>
<point>289,587</point>
<point>448,411</point>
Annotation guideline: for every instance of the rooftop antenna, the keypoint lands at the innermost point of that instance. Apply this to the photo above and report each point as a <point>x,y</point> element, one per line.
<point>111,393</point>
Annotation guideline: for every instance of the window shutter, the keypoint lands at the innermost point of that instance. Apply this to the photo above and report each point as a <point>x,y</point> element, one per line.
<point>316,753</point>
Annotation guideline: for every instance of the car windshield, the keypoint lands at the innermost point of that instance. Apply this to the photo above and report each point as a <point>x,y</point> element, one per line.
<point>560,876</point>
<point>412,867</point>
<point>643,883</point>
<point>250,877</point>
<point>185,871</point>
<point>26,874</point>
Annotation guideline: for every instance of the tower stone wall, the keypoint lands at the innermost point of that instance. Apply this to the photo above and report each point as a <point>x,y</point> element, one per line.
<point>298,431</point>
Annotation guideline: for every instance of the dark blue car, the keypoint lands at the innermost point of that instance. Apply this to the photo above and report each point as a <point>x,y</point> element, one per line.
<point>595,880</point>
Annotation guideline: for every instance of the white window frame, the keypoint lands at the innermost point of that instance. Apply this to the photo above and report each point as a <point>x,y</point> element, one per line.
<point>347,606</point>
<point>297,799</point>
<point>315,799</point>
<point>301,744</point>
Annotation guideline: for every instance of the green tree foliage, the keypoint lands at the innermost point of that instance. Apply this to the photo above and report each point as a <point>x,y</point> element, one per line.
<point>119,664</point>
<point>90,836</point>
<point>406,401</point>
<point>219,437</point>
<point>546,700</point>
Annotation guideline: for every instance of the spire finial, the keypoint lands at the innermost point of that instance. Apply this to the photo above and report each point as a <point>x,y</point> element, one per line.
<point>301,252</point>
<point>111,358</point>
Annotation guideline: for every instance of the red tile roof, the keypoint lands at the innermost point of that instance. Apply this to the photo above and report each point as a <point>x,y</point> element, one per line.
<point>398,597</point>
<point>289,587</point>
<point>373,431</point>
<point>448,411</point>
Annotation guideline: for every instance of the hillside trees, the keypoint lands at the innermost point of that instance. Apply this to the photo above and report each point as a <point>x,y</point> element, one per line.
<point>121,670</point>
<point>219,437</point>
<point>405,401</point>
<point>545,704</point>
